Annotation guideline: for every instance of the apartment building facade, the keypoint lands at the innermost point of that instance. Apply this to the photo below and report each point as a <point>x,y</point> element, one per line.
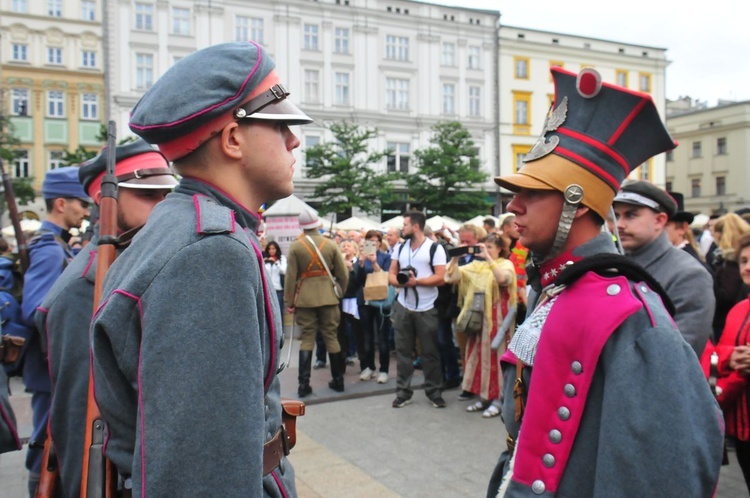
<point>395,65</point>
<point>51,79</point>
<point>527,91</point>
<point>711,167</point>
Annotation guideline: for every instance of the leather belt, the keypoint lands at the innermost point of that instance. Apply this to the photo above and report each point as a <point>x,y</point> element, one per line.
<point>274,450</point>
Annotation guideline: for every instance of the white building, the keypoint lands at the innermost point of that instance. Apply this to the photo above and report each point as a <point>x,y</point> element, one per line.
<point>396,65</point>
<point>526,88</point>
<point>711,167</point>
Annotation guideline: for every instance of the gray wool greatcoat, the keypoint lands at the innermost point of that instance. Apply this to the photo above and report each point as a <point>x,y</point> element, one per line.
<point>63,319</point>
<point>687,283</point>
<point>646,425</point>
<point>186,347</point>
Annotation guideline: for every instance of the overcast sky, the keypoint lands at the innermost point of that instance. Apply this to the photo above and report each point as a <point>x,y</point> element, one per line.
<point>708,45</point>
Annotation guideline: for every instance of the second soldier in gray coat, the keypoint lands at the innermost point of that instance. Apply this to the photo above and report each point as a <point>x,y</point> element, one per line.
<point>65,314</point>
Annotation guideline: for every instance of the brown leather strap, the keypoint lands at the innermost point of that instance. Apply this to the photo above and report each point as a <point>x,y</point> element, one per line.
<point>144,173</point>
<point>274,450</point>
<point>291,409</point>
<point>313,273</point>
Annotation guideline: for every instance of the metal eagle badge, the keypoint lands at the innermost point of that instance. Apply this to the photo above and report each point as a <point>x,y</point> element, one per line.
<point>555,118</point>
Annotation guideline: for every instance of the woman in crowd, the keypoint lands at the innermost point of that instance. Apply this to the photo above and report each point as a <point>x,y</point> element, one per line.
<point>349,327</point>
<point>733,352</point>
<point>727,232</point>
<point>375,322</point>
<point>276,269</point>
<point>495,276</point>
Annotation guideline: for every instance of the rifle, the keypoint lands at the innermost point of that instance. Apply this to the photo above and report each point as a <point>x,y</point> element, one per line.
<point>99,477</point>
<point>10,198</point>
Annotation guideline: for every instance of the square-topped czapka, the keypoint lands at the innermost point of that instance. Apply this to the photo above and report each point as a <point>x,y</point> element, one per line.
<point>203,92</point>
<point>595,134</point>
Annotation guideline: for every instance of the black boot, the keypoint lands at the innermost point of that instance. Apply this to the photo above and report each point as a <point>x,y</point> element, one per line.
<point>305,362</point>
<point>338,369</point>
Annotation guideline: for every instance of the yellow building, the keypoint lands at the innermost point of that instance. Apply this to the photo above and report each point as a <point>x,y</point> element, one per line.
<point>51,79</point>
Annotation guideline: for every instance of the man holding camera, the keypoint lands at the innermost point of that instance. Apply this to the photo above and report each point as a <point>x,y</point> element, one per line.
<point>418,267</point>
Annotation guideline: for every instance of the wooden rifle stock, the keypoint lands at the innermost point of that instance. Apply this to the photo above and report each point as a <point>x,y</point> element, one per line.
<point>10,198</point>
<point>99,477</point>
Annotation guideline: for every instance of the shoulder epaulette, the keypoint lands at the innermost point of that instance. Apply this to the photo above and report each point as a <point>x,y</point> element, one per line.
<point>211,217</point>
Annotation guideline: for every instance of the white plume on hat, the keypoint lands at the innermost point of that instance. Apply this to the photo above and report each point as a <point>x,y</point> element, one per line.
<point>309,220</point>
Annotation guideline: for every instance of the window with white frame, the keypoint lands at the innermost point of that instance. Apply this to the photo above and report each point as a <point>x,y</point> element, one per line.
<point>475,53</point>
<point>341,40</point>
<point>89,106</point>
<point>144,16</point>
<point>20,52</point>
<point>20,102</point>
<point>256,29</point>
<point>397,158</point>
<point>54,8</point>
<point>55,104</point>
<point>475,101</point>
<point>397,48</point>
<point>88,58</point>
<point>248,28</point>
<point>522,112</point>
<point>180,21</point>
<point>697,149</point>
<point>20,6</point>
<point>88,10</point>
<point>54,55</point>
<point>695,187</point>
<point>55,159</point>
<point>342,88</point>
<point>397,93</point>
<point>310,141</point>
<point>721,146</point>
<point>311,37</point>
<point>449,98</point>
<point>449,54</point>
<point>144,71</point>
<point>21,164</point>
<point>312,85</point>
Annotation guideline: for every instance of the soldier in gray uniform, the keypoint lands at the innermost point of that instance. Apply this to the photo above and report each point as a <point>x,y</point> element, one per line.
<point>602,397</point>
<point>144,178</point>
<point>187,338</point>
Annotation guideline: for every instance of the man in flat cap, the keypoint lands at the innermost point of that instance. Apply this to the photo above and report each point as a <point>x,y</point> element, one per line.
<point>49,253</point>
<point>187,340</point>
<point>313,263</point>
<point>144,179</point>
<point>616,391</point>
<point>642,211</point>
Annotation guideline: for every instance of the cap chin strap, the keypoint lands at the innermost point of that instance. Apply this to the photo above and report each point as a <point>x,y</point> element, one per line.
<point>573,196</point>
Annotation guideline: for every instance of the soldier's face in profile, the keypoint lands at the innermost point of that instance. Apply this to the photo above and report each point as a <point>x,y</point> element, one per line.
<point>537,213</point>
<point>135,205</point>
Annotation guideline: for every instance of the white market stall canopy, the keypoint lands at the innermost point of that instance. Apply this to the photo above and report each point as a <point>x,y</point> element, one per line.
<point>356,223</point>
<point>437,222</point>
<point>479,220</point>
<point>26,226</point>
<point>289,206</point>
<point>397,222</point>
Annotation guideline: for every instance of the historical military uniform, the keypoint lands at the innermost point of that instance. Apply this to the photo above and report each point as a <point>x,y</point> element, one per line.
<point>309,290</point>
<point>65,314</point>
<point>601,395</point>
<point>49,254</point>
<point>187,338</point>
<point>685,279</point>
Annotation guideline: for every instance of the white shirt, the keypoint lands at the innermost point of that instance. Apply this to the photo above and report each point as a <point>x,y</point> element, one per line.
<point>276,272</point>
<point>420,260</point>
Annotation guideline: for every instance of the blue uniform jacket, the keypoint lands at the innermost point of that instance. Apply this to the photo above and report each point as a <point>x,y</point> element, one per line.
<point>185,350</point>
<point>47,260</point>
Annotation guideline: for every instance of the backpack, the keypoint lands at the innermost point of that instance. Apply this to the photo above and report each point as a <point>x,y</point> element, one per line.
<point>13,330</point>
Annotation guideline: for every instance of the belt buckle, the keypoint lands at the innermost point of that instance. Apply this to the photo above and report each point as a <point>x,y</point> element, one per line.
<point>284,440</point>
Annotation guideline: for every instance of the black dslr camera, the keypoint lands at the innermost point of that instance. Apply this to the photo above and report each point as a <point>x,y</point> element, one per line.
<point>403,275</point>
<point>461,250</point>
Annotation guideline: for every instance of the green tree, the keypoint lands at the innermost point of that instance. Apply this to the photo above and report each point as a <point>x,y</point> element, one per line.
<point>449,180</point>
<point>81,154</point>
<point>348,171</point>
<point>23,188</point>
